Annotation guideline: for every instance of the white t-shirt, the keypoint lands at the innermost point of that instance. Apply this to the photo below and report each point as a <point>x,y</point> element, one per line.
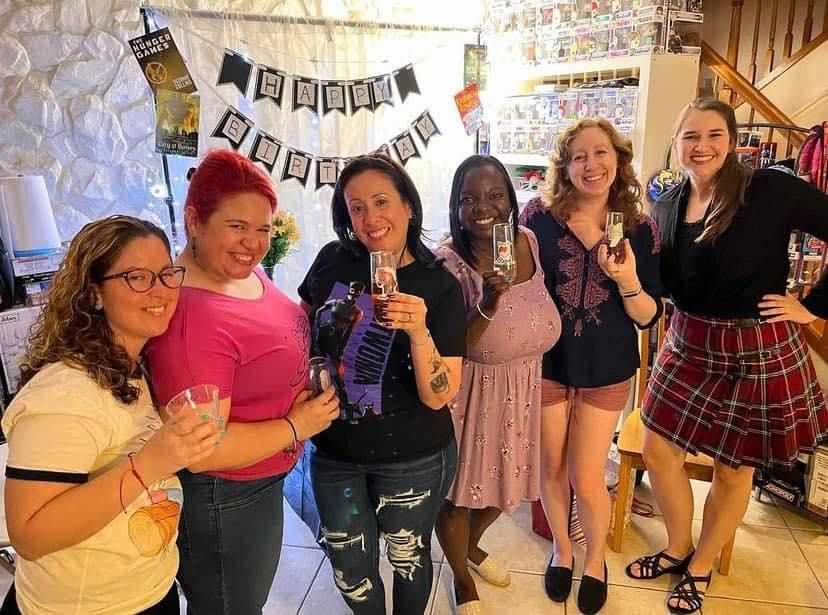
<point>63,427</point>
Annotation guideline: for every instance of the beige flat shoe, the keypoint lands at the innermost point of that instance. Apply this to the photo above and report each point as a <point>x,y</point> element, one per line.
<point>475,607</point>
<point>492,571</point>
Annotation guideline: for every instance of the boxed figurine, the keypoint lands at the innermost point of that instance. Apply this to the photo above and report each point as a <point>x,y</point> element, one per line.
<point>587,103</point>
<point>605,105</point>
<point>684,32</point>
<point>567,106</point>
<point>648,33</point>
<point>599,42</point>
<point>527,47</point>
<point>620,43</point>
<point>622,9</point>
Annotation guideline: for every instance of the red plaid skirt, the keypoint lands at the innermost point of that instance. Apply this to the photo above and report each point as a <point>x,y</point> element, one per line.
<point>740,394</point>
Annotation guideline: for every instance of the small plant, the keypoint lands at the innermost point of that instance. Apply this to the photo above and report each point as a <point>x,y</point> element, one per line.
<point>283,236</point>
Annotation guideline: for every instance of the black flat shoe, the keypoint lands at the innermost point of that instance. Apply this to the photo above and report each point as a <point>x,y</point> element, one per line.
<point>558,581</point>
<point>592,595</point>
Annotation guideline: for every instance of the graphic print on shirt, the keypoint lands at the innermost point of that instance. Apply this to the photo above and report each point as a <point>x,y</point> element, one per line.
<point>582,292</point>
<point>358,348</point>
<point>301,336</point>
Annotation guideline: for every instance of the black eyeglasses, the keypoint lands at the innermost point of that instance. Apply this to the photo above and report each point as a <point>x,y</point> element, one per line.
<point>142,280</point>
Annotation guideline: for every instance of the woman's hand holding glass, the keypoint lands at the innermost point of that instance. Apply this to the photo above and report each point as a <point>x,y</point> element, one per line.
<point>494,286</point>
<point>185,439</point>
<point>408,313</point>
<point>621,271</point>
<point>311,415</point>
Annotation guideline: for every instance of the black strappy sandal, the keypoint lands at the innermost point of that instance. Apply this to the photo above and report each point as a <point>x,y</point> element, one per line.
<point>687,592</point>
<point>649,566</point>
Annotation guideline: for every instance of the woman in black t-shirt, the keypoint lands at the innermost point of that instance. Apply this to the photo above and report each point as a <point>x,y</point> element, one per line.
<point>733,378</point>
<point>385,467</point>
<point>602,299</point>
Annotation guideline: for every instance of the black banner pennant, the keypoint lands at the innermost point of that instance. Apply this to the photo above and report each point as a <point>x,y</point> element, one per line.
<point>265,149</point>
<point>405,147</point>
<point>334,96</point>
<point>306,93</point>
<point>327,171</point>
<point>270,84</point>
<point>406,81</point>
<point>425,127</point>
<point>235,69</point>
<point>297,166</point>
<point>381,91</point>
<point>382,150</point>
<point>359,95</point>
<point>233,126</point>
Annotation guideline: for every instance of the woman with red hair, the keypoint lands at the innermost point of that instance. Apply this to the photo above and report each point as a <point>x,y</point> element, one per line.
<point>235,329</point>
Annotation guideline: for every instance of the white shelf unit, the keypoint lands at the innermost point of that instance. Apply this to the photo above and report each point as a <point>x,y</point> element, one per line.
<point>666,83</point>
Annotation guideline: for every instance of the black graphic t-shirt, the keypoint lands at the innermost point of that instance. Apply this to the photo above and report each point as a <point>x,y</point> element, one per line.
<point>381,415</point>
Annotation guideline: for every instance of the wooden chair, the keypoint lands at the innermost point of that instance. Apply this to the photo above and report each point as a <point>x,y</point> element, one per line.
<point>698,467</point>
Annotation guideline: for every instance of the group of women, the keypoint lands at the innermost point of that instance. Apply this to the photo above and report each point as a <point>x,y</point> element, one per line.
<point>469,393</point>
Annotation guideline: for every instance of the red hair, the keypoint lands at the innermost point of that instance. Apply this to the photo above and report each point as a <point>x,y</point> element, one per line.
<point>224,173</point>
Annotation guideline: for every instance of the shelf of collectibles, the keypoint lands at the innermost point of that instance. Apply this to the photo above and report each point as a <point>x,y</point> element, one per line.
<point>635,62</point>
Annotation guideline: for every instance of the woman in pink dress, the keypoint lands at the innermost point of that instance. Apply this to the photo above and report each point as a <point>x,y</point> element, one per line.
<point>497,411</point>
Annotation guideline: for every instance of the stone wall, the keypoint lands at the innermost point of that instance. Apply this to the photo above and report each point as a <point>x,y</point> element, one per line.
<point>76,108</point>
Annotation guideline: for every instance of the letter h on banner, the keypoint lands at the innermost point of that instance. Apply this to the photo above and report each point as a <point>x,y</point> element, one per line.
<point>270,83</point>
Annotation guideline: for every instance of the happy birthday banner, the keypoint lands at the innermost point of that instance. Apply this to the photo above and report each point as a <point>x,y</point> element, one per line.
<point>297,164</point>
<point>346,96</point>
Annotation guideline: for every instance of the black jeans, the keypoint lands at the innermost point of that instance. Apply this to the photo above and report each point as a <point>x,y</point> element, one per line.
<point>229,539</point>
<point>398,501</point>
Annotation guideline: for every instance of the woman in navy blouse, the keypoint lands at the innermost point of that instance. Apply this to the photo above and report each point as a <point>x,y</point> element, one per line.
<point>586,376</point>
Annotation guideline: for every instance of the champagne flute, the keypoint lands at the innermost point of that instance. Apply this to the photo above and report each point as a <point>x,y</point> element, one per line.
<point>504,251</point>
<point>615,235</point>
<point>383,282</point>
<point>319,377</point>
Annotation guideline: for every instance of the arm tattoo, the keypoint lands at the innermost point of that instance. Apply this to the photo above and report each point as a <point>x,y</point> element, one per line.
<point>439,383</point>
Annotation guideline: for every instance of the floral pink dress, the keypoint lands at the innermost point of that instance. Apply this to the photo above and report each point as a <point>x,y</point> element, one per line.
<point>496,413</point>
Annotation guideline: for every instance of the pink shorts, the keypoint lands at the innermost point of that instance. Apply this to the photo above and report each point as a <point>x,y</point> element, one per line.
<point>612,397</point>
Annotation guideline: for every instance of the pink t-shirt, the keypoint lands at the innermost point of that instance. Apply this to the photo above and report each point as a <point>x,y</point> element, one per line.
<point>254,350</point>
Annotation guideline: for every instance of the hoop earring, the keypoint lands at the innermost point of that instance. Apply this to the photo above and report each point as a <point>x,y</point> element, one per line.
<point>351,235</point>
<point>98,307</point>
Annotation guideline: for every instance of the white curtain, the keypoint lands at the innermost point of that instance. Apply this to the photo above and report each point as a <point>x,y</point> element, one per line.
<point>327,52</point>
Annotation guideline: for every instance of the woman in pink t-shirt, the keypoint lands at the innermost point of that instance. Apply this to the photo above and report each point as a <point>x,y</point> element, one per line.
<point>235,329</point>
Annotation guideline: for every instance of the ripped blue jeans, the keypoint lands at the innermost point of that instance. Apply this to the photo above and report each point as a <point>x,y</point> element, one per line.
<point>395,501</point>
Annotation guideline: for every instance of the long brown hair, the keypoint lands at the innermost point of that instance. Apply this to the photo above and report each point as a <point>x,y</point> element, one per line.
<point>558,193</point>
<point>732,179</point>
<point>70,329</point>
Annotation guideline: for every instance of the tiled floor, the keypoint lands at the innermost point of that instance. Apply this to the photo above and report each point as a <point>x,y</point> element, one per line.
<point>780,567</point>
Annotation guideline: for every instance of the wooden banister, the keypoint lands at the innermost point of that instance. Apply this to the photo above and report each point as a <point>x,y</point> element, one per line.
<point>788,46</point>
<point>754,50</point>
<point>746,90</point>
<point>808,26</point>
<point>787,64</point>
<point>769,55</point>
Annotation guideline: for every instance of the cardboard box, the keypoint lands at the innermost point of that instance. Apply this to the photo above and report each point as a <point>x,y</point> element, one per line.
<point>648,32</point>
<point>599,42</point>
<point>684,32</point>
<point>817,482</point>
<point>620,39</point>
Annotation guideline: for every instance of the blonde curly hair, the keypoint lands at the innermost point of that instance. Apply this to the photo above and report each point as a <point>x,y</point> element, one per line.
<point>558,193</point>
<point>69,329</point>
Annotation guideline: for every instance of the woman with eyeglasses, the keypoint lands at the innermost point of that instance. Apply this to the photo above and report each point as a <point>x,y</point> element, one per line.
<point>235,329</point>
<point>92,500</point>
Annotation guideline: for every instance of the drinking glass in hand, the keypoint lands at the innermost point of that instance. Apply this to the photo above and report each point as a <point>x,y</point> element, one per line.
<point>202,399</point>
<point>504,251</point>
<point>615,235</point>
<point>383,282</point>
<point>319,378</point>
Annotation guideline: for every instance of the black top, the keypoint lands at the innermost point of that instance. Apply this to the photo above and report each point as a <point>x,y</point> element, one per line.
<point>382,417</point>
<point>750,259</point>
<point>598,344</point>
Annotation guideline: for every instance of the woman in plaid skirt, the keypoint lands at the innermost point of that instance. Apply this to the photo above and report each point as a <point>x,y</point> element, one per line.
<point>733,379</point>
